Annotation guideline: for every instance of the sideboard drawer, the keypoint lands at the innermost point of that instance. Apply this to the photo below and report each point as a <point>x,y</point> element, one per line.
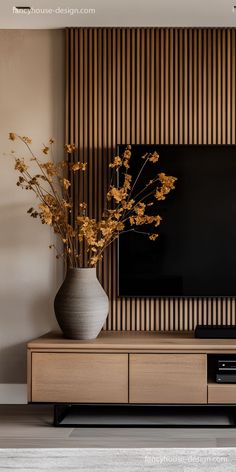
<point>168,378</point>
<point>221,393</point>
<point>79,377</point>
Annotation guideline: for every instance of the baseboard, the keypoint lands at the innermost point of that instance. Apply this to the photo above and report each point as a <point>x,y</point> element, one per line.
<point>13,394</point>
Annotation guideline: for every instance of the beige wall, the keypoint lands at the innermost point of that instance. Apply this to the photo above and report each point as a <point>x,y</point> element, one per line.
<point>31,103</point>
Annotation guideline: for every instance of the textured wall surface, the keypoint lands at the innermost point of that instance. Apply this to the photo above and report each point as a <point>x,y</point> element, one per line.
<point>148,85</point>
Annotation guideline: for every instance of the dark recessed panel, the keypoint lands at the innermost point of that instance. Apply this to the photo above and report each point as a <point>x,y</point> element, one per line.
<point>195,253</point>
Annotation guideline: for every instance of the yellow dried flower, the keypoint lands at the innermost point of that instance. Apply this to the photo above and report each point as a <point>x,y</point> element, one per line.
<point>66,184</point>
<point>117,215</point>
<point>128,205</point>
<point>46,214</point>
<point>12,136</point>
<point>79,166</point>
<point>126,157</point>
<point>153,236</point>
<point>94,260</point>
<point>160,195</point>
<point>145,220</point>
<point>101,243</point>
<point>50,168</point>
<point>120,226</point>
<point>45,150</point>
<point>76,166</point>
<point>55,207</point>
<point>69,148</point>
<point>127,182</point>
<point>26,139</point>
<point>83,205</point>
<point>20,165</point>
<point>154,157</point>
<point>117,161</point>
<point>140,209</point>
<point>66,204</point>
<point>107,230</point>
<point>127,154</point>
<point>116,193</point>
<point>126,163</point>
<point>167,182</point>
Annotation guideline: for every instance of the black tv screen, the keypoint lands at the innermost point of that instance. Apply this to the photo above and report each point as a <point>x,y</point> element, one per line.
<point>195,253</point>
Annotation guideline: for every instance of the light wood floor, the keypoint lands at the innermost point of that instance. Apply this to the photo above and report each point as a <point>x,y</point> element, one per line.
<point>31,426</point>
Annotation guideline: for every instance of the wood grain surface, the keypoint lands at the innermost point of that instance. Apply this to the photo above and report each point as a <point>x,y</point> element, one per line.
<point>147,86</point>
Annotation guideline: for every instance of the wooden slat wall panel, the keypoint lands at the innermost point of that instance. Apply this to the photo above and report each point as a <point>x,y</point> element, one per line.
<point>153,86</point>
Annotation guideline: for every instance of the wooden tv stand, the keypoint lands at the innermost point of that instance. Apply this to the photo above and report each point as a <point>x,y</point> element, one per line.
<point>128,368</point>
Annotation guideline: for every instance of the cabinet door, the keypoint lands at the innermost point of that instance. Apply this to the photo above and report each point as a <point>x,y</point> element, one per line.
<point>168,378</point>
<point>221,393</point>
<point>82,378</point>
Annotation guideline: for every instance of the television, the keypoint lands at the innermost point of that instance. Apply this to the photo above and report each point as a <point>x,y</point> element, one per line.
<point>195,252</point>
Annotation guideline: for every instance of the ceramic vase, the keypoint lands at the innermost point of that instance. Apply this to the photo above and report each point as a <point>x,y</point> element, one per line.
<point>81,304</point>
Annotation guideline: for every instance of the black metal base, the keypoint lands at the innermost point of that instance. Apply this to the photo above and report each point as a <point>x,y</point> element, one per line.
<point>144,416</point>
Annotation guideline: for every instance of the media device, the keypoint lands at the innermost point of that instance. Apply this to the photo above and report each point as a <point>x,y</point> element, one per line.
<point>215,332</point>
<point>226,371</point>
<point>225,377</point>
<point>195,253</point>
<point>229,364</point>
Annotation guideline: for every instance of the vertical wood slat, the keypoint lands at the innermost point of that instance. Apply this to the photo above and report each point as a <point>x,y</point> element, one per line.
<point>148,85</point>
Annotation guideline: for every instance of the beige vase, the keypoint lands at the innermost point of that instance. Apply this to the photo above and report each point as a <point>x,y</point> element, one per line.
<point>81,305</point>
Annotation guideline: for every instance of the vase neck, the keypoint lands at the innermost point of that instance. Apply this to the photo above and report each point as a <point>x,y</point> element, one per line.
<point>89,272</point>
